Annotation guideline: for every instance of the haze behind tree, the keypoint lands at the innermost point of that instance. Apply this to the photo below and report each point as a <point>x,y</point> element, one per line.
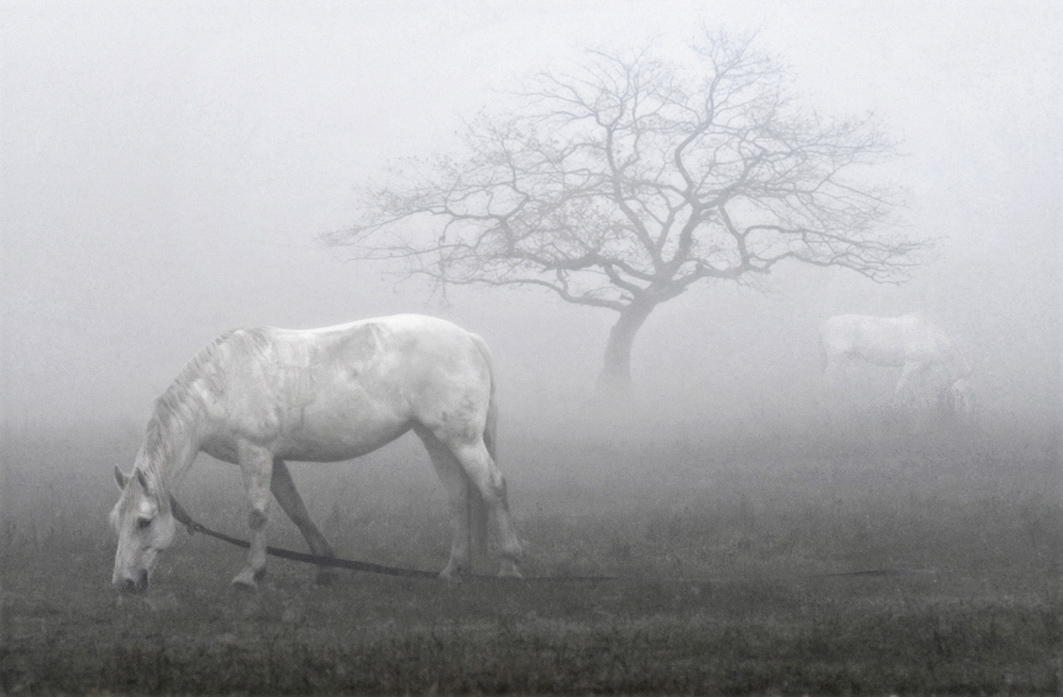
<point>633,178</point>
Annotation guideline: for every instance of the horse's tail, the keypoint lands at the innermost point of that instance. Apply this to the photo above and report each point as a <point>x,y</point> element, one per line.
<point>478,512</point>
<point>491,425</point>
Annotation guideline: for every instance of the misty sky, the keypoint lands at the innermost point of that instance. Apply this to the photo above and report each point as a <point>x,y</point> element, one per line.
<point>165,169</point>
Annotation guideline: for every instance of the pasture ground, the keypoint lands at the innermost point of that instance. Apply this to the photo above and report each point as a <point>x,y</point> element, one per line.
<point>724,546</point>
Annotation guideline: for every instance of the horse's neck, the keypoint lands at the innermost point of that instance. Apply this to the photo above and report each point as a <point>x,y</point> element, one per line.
<point>172,442</point>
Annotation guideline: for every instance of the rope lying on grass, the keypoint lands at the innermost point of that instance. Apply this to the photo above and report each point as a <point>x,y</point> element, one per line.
<point>182,517</point>
<point>881,572</point>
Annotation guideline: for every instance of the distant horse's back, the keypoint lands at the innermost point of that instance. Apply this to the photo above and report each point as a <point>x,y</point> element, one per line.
<point>875,340</point>
<point>926,355</point>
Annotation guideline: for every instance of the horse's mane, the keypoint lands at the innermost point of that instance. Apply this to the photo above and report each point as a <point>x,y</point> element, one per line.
<point>180,403</point>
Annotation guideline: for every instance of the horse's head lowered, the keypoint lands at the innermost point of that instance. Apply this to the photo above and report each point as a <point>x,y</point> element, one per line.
<point>145,527</point>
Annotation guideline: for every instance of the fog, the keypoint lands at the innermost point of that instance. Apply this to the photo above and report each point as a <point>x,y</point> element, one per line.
<point>167,169</point>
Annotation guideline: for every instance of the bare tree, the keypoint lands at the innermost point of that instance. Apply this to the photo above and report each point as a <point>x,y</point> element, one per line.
<point>626,182</point>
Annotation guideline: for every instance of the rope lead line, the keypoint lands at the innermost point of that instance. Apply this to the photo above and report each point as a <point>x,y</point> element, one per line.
<point>182,517</point>
<point>193,527</point>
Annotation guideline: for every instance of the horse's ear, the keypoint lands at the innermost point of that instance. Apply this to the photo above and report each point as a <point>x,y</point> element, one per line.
<point>120,478</point>
<point>141,478</point>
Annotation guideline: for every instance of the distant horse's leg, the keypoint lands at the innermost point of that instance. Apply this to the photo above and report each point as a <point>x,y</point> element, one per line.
<point>911,399</point>
<point>284,491</point>
<point>482,472</point>
<point>256,469</point>
<point>457,486</point>
<point>831,394</point>
<point>905,390</point>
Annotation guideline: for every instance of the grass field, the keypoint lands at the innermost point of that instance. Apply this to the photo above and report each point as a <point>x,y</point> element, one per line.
<point>723,548</point>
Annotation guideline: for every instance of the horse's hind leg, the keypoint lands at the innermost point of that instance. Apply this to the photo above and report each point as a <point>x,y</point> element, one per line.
<point>457,487</point>
<point>284,491</point>
<point>482,473</point>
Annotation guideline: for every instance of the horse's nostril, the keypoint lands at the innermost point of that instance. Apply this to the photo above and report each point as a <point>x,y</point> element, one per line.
<point>136,585</point>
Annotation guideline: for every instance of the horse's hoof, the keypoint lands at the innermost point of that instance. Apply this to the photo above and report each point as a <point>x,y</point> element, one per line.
<point>450,575</point>
<point>509,570</point>
<point>246,580</point>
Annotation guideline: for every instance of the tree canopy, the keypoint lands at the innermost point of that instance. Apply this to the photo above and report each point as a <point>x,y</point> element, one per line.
<point>628,180</point>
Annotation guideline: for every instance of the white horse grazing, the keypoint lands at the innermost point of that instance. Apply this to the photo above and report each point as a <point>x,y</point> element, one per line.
<point>256,397</point>
<point>922,351</point>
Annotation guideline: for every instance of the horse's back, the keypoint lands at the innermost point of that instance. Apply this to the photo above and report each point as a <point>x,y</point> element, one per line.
<point>849,333</point>
<point>925,342</point>
<point>891,341</point>
<point>876,340</point>
<point>339,391</point>
<point>393,344</point>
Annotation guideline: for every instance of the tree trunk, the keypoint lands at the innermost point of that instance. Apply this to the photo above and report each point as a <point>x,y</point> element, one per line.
<point>614,382</point>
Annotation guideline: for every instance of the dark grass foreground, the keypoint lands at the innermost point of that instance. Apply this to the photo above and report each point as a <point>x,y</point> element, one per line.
<point>643,637</point>
<point>723,591</point>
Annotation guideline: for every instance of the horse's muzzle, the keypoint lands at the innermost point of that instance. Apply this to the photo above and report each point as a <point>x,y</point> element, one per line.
<point>134,585</point>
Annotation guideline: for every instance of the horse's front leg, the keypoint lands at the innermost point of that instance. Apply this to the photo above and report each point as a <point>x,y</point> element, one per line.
<point>288,497</point>
<point>256,469</point>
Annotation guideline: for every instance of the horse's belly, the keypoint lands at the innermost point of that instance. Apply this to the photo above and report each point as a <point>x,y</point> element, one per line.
<point>883,357</point>
<point>314,447</point>
<point>330,432</point>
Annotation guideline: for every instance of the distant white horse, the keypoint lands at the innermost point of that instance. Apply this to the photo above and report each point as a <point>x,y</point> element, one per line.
<point>256,397</point>
<point>924,353</point>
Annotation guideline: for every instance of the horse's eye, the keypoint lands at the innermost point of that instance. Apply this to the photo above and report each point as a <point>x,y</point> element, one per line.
<point>143,523</point>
